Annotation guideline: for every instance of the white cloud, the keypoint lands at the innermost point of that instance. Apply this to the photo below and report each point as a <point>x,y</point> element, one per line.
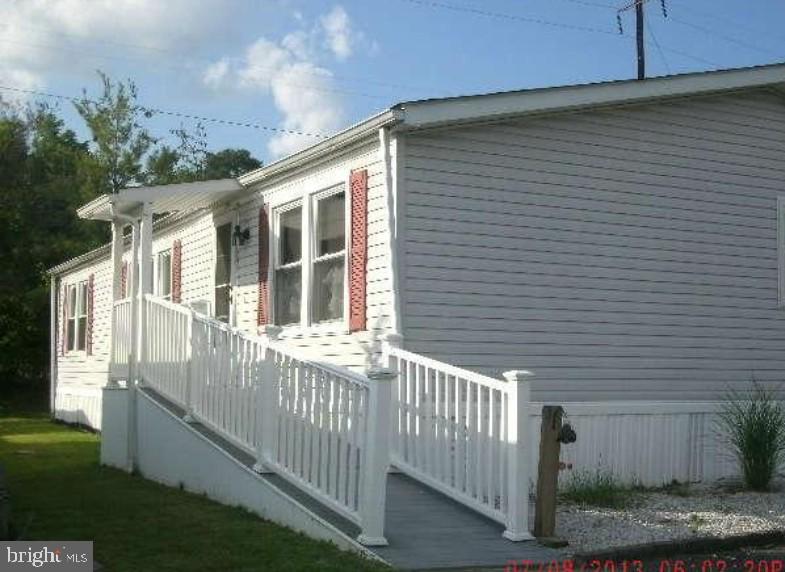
<point>42,35</point>
<point>338,30</point>
<point>216,73</point>
<point>293,73</point>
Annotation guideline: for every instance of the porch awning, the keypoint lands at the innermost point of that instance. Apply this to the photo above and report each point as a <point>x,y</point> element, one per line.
<point>180,197</point>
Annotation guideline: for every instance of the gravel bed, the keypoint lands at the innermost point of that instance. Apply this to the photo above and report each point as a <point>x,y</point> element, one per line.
<point>658,516</point>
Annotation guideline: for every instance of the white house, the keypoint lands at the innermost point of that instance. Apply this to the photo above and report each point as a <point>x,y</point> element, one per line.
<point>624,242</point>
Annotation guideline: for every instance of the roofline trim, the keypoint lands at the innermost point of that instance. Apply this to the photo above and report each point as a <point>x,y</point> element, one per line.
<point>433,112</point>
<point>341,139</point>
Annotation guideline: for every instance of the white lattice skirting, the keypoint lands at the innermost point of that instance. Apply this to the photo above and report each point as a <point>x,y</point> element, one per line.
<point>79,405</point>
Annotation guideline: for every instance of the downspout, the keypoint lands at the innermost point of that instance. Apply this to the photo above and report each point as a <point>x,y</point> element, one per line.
<point>53,329</point>
<point>394,335</point>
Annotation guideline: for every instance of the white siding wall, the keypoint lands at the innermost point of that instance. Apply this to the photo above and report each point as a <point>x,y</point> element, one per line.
<point>352,350</point>
<point>618,254</point>
<point>80,377</point>
<point>197,236</point>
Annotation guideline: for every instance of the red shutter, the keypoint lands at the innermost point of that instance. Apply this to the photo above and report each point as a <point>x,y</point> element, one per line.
<point>263,310</point>
<point>90,312</point>
<point>64,331</point>
<point>124,281</point>
<point>177,264</point>
<point>359,253</point>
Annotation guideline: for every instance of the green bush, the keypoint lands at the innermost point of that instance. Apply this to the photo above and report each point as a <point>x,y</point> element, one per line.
<point>753,424</point>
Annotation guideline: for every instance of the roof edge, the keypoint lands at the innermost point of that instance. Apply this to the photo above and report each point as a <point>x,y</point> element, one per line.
<point>434,112</point>
<point>347,136</point>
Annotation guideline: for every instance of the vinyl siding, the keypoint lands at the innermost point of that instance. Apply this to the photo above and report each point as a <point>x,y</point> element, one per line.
<point>80,377</point>
<point>338,346</point>
<point>618,254</point>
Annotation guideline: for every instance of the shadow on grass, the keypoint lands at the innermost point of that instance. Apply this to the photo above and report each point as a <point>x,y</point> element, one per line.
<point>58,490</point>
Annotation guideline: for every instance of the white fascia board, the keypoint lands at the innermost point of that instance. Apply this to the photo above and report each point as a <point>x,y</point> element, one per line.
<point>97,209</point>
<point>150,194</point>
<point>346,137</point>
<point>547,100</point>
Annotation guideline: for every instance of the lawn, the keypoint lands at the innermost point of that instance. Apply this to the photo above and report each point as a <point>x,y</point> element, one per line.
<point>59,492</point>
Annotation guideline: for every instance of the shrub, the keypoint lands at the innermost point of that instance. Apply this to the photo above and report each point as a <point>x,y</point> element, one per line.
<point>754,426</point>
<point>599,488</point>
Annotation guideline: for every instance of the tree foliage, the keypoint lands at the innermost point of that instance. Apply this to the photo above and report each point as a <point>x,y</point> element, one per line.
<point>47,172</point>
<point>121,140</point>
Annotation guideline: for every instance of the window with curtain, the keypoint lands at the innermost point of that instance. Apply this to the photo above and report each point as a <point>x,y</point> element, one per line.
<point>77,316</point>
<point>288,266</point>
<point>329,258</point>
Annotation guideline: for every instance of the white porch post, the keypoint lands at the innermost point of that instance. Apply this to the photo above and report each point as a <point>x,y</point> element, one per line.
<point>519,396</point>
<point>117,269</point>
<point>144,282</point>
<point>134,289</point>
<point>374,487</point>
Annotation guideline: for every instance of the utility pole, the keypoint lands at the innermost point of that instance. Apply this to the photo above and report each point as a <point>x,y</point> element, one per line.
<point>639,39</point>
<point>639,30</point>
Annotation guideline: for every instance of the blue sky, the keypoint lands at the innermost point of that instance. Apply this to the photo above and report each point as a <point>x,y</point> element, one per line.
<point>316,66</point>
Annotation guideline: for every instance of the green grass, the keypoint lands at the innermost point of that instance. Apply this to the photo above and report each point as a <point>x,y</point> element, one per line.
<point>597,488</point>
<point>59,492</point>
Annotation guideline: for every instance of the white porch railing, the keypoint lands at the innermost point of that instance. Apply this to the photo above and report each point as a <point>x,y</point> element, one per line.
<point>323,428</point>
<point>121,336</point>
<point>460,432</point>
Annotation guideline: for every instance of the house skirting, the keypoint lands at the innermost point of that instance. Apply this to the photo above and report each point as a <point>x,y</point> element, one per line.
<point>644,442</point>
<point>80,405</point>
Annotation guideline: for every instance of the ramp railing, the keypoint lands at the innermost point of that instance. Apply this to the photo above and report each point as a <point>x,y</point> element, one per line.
<point>323,428</point>
<point>463,434</point>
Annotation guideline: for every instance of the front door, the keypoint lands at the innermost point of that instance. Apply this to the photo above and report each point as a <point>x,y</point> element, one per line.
<point>223,272</point>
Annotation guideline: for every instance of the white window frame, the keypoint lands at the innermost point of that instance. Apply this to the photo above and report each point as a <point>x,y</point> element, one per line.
<point>76,313</point>
<point>307,199</point>
<point>276,258</point>
<point>313,259</point>
<point>157,274</point>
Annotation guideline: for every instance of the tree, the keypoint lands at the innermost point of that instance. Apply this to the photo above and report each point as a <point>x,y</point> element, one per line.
<point>229,163</point>
<point>45,174</point>
<point>115,122</point>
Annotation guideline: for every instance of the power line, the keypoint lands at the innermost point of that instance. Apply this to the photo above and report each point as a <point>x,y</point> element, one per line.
<point>513,17</point>
<point>659,48</point>
<point>173,113</point>
<point>726,37</point>
<point>728,21</point>
<point>704,29</point>
<point>343,78</point>
<point>303,85</point>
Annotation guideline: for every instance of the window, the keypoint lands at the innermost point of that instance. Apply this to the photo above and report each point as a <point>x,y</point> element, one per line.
<point>77,317</point>
<point>223,272</point>
<point>288,266</point>
<point>163,274</point>
<point>329,258</point>
<point>310,259</point>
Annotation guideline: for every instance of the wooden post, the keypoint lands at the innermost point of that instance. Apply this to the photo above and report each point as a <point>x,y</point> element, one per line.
<point>518,398</point>
<point>377,458</point>
<point>548,472</point>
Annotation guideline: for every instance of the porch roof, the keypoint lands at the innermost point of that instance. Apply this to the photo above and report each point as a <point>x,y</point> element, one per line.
<point>180,197</point>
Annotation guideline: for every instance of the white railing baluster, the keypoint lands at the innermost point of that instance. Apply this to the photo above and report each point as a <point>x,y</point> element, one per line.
<point>323,428</point>
<point>454,433</point>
